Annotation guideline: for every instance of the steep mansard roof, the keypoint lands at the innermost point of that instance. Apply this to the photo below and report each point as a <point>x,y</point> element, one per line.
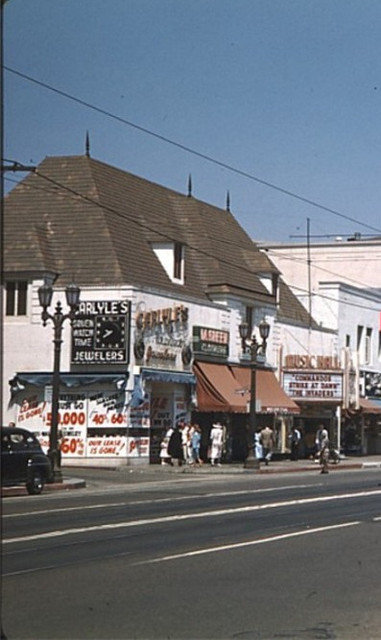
<point>81,218</point>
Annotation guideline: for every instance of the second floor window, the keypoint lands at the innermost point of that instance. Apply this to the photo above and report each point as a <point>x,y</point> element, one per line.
<point>178,261</point>
<point>16,298</point>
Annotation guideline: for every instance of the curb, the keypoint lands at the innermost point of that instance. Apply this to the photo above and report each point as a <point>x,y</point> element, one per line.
<point>66,485</point>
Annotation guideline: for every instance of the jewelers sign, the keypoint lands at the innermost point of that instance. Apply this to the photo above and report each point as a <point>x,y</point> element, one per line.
<point>100,333</point>
<point>313,385</point>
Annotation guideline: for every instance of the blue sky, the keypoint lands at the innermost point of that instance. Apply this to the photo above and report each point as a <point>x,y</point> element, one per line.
<point>286,91</point>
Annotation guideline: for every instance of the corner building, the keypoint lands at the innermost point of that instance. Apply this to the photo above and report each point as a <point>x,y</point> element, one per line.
<point>165,281</point>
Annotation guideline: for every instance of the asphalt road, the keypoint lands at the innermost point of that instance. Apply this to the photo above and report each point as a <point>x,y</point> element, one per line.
<point>196,557</point>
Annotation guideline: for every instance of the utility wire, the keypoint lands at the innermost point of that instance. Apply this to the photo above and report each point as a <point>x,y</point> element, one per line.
<point>55,186</point>
<point>358,283</point>
<point>77,194</point>
<point>183,147</point>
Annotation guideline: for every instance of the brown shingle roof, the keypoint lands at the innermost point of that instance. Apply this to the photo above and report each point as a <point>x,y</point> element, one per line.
<point>96,223</point>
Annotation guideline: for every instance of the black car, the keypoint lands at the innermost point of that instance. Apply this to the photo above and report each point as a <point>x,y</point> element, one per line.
<point>23,461</point>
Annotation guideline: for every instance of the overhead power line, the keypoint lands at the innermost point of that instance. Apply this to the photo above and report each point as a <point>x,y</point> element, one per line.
<point>183,147</point>
<point>124,216</point>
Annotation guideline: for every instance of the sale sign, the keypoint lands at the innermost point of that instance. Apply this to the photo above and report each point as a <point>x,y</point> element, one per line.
<point>107,446</point>
<point>107,409</point>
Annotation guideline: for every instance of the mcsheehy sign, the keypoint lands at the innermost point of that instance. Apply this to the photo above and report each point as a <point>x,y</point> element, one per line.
<point>314,386</point>
<point>213,342</point>
<point>100,333</point>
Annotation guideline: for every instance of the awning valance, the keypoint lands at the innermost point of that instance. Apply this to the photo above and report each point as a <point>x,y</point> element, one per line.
<point>160,375</point>
<point>370,406</point>
<point>69,380</point>
<point>226,388</point>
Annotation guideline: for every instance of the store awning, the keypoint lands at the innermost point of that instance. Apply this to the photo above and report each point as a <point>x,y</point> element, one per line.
<point>369,406</point>
<point>159,375</point>
<point>226,388</point>
<point>67,379</point>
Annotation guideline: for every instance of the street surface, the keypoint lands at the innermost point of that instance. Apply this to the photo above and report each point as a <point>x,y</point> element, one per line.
<point>232,556</point>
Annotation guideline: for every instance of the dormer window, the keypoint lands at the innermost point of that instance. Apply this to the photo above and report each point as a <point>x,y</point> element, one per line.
<point>171,256</point>
<point>178,261</point>
<point>271,282</point>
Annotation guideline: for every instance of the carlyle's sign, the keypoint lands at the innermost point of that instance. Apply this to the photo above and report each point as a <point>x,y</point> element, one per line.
<point>100,333</point>
<point>169,315</point>
<point>293,361</point>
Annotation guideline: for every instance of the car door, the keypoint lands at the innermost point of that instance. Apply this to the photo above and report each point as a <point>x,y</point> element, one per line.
<point>18,457</point>
<point>8,471</point>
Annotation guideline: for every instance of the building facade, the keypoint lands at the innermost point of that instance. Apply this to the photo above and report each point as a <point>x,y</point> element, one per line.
<point>166,281</point>
<point>340,284</point>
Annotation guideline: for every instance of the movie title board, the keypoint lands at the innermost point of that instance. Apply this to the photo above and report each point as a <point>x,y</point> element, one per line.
<point>100,333</point>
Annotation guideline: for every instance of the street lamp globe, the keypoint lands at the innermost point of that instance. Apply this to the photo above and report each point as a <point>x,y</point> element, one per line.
<point>45,294</point>
<point>72,293</point>
<point>264,329</point>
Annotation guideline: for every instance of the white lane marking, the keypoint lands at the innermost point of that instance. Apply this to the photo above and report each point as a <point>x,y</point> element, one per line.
<point>187,554</point>
<point>160,500</point>
<point>377,519</point>
<point>189,516</point>
<point>248,543</point>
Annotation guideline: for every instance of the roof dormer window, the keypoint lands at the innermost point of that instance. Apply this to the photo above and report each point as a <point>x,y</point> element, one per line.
<point>171,256</point>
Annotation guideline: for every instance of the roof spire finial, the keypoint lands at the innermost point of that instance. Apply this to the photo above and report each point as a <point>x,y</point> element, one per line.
<point>227,201</point>
<point>190,186</point>
<point>87,144</point>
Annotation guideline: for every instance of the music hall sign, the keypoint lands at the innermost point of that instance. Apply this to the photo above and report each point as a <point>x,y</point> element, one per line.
<point>313,378</point>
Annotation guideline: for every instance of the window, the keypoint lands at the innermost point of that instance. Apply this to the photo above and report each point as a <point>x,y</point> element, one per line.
<point>171,256</point>
<point>347,340</point>
<point>178,261</point>
<point>368,346</point>
<point>249,320</point>
<point>16,297</point>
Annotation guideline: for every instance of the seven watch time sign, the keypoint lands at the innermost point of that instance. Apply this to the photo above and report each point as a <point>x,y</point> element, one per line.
<point>100,333</point>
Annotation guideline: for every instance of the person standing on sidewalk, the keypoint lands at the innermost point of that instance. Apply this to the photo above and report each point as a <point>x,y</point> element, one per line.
<point>324,454</point>
<point>196,443</point>
<point>267,440</point>
<point>216,443</point>
<point>175,445</point>
<point>295,442</point>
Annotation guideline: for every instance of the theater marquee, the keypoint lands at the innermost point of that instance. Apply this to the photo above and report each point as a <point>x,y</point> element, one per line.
<point>313,385</point>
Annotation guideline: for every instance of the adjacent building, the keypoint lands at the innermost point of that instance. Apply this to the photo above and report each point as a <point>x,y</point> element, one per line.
<point>339,283</point>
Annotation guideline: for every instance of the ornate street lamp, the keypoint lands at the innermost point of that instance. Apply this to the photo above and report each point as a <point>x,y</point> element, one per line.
<point>253,349</point>
<point>45,295</point>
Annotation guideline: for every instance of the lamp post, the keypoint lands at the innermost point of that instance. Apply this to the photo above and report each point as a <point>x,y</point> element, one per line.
<point>253,348</point>
<point>45,294</point>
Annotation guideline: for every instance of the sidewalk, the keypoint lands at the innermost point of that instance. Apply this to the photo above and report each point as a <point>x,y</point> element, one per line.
<point>157,472</point>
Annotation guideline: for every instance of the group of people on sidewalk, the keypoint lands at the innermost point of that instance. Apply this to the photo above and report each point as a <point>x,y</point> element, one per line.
<point>183,443</point>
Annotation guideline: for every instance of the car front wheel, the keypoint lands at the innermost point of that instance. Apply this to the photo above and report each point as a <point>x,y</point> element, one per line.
<point>36,483</point>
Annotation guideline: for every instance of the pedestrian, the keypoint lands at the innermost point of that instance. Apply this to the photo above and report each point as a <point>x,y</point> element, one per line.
<point>321,434</point>
<point>296,437</point>
<point>196,443</point>
<point>216,443</point>
<point>267,441</point>
<point>324,454</point>
<point>175,445</point>
<point>185,441</point>
<point>258,446</point>
<point>165,458</point>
